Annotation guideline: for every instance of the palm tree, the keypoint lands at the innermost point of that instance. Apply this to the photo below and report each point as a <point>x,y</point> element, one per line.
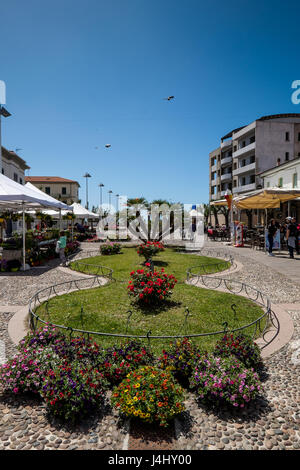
<point>215,211</point>
<point>225,211</point>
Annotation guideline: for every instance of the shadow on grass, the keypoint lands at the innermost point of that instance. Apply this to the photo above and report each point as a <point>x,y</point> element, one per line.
<point>155,309</point>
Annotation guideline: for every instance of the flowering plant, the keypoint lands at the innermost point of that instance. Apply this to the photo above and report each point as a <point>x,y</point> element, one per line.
<point>150,249</point>
<point>225,380</point>
<point>151,287</point>
<point>71,247</point>
<point>241,346</point>
<point>24,373</point>
<point>149,394</point>
<point>180,358</point>
<point>118,361</point>
<point>44,336</point>
<point>72,390</point>
<point>110,248</point>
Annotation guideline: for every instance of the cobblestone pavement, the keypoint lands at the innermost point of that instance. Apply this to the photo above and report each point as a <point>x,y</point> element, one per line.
<point>272,422</point>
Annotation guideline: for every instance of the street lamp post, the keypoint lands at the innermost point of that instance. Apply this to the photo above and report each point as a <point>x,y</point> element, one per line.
<point>86,176</point>
<point>4,113</point>
<point>100,206</point>
<point>109,197</point>
<point>117,202</point>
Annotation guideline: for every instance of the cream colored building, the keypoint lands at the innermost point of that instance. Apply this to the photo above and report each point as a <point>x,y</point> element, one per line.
<point>63,189</point>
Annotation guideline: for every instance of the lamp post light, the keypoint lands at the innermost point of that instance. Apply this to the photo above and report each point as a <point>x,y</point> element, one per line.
<point>4,113</point>
<point>100,201</point>
<point>117,202</point>
<point>86,176</point>
<point>109,198</point>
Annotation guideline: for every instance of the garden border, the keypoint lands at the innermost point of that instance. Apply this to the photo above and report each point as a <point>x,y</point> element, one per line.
<point>264,301</point>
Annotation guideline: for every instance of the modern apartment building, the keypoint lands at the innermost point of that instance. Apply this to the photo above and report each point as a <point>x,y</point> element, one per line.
<point>62,189</point>
<point>13,166</point>
<point>246,152</point>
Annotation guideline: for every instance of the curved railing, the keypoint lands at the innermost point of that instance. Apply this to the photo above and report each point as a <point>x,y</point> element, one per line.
<point>267,318</point>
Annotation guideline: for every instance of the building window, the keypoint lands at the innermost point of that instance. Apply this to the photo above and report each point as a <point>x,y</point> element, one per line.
<point>243,181</point>
<point>47,190</point>
<point>252,179</point>
<point>252,139</point>
<point>278,161</point>
<point>20,181</point>
<point>252,159</point>
<point>243,144</point>
<point>64,191</point>
<point>287,156</point>
<point>234,148</point>
<point>280,182</point>
<point>234,183</point>
<point>287,136</point>
<point>298,136</point>
<point>15,177</point>
<point>295,180</point>
<point>2,171</point>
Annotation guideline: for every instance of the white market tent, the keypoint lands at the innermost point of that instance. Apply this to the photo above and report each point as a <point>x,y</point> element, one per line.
<point>82,213</point>
<point>15,196</point>
<point>79,211</point>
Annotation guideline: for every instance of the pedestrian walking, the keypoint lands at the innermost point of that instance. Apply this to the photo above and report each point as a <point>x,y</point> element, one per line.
<point>62,243</point>
<point>291,235</point>
<point>272,229</point>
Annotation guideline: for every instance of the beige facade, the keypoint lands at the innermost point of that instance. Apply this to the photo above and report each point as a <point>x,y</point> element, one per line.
<point>63,189</point>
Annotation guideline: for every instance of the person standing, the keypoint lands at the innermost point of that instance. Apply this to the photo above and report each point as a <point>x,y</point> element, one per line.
<point>62,245</point>
<point>291,235</point>
<point>272,229</point>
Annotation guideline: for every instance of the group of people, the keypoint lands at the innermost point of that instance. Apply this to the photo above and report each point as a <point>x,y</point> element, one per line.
<point>289,232</point>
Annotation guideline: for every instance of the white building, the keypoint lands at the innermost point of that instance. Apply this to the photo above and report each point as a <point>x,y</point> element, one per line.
<point>13,166</point>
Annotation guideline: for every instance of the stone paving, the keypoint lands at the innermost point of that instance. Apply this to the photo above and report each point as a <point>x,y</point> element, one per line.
<point>272,422</point>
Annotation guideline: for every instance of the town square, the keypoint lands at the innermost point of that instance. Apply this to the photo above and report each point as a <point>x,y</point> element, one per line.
<point>149,241</point>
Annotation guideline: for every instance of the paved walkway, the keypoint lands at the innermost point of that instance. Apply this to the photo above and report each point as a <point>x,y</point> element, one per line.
<point>280,262</point>
<point>271,422</point>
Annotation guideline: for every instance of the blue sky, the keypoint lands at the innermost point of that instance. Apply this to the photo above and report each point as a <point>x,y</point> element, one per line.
<point>80,75</point>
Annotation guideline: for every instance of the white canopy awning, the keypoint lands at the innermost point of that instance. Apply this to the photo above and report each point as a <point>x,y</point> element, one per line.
<point>83,213</point>
<point>17,196</point>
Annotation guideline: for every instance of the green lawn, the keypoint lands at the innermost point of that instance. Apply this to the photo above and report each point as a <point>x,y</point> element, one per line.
<point>106,308</point>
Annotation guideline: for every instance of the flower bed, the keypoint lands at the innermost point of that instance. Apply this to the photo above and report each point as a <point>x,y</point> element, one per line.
<point>181,358</point>
<point>72,390</point>
<point>110,248</point>
<point>149,394</point>
<point>118,361</point>
<point>151,287</point>
<point>150,249</point>
<point>225,379</point>
<point>242,347</point>
<point>72,374</point>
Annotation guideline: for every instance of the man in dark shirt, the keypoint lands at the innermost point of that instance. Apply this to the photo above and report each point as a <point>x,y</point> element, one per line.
<point>291,235</point>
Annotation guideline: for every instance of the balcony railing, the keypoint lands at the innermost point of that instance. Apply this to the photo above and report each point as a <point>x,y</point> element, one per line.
<point>244,150</point>
<point>226,160</point>
<point>244,188</point>
<point>244,169</point>
<point>226,177</point>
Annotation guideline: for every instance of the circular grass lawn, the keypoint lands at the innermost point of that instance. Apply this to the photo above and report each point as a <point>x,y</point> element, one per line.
<point>106,309</point>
